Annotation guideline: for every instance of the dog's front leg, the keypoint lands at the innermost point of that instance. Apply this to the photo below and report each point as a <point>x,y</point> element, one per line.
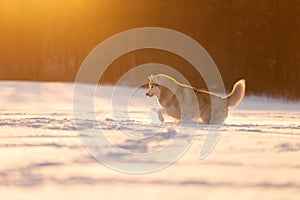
<point>157,112</point>
<point>187,111</point>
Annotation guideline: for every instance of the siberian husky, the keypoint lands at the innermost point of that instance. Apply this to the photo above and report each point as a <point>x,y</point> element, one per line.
<point>184,102</point>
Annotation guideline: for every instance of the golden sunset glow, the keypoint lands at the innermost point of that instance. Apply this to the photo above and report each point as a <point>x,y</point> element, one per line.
<point>47,40</point>
<point>221,119</point>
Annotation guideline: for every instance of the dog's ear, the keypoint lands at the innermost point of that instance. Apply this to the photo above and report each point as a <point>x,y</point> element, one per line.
<point>151,77</point>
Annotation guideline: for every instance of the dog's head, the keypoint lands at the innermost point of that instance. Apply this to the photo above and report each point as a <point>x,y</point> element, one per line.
<point>159,83</point>
<point>154,86</point>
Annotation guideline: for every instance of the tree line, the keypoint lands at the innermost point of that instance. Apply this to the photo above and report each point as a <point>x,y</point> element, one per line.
<point>255,40</point>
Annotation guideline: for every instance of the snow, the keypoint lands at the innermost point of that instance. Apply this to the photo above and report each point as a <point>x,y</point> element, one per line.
<point>42,155</point>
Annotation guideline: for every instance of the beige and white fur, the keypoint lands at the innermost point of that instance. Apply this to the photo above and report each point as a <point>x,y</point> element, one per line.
<point>184,102</point>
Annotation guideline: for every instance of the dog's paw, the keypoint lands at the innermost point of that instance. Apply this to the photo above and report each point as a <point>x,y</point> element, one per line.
<point>189,122</point>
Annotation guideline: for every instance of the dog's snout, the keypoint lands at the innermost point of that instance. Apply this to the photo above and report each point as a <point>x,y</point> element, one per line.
<point>149,94</point>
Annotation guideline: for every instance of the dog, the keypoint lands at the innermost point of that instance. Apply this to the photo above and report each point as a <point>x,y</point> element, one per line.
<point>186,103</point>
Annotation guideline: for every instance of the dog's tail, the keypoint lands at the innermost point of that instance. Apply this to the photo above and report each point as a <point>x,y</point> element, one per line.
<point>237,93</point>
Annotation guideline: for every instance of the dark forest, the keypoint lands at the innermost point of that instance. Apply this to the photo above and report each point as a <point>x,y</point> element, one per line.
<point>252,39</point>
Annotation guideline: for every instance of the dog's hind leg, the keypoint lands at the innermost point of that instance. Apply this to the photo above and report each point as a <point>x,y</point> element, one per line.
<point>218,117</point>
